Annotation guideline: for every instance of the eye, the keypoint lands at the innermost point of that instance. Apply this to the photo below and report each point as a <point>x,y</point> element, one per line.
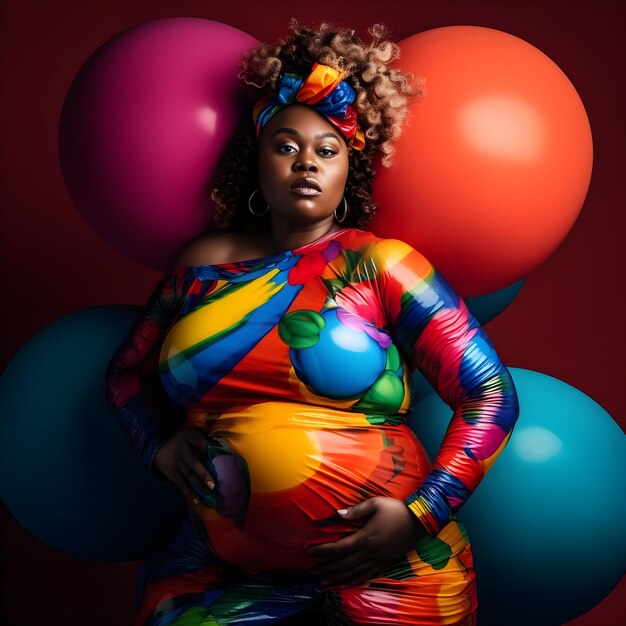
<point>286,148</point>
<point>326,152</point>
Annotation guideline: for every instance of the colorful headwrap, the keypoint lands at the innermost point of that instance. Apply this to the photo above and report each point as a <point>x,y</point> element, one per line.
<point>325,91</point>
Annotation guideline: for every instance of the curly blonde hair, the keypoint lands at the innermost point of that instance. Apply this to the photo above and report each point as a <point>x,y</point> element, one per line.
<point>381,103</point>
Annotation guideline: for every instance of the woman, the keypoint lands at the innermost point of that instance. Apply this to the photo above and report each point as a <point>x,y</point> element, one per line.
<point>285,350</point>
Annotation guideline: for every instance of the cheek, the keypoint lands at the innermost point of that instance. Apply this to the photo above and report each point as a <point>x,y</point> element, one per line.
<point>269,177</point>
<point>345,169</point>
<point>341,177</point>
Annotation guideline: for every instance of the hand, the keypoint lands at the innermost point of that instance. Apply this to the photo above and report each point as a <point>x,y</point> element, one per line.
<point>390,532</point>
<point>179,460</point>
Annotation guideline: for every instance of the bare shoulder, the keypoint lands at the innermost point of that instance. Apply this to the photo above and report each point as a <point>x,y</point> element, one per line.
<point>218,248</point>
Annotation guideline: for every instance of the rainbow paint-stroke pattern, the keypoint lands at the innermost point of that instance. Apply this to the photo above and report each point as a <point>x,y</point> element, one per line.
<point>300,364</point>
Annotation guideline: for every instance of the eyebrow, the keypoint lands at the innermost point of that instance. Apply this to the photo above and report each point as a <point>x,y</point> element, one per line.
<point>293,131</point>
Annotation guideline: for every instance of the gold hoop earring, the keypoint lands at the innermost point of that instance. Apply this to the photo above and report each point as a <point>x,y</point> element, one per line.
<point>346,210</point>
<point>267,207</point>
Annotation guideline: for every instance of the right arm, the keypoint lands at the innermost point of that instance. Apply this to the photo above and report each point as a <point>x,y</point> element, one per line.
<point>135,393</point>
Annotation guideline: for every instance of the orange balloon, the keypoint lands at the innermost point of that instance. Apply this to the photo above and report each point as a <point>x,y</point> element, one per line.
<point>495,161</point>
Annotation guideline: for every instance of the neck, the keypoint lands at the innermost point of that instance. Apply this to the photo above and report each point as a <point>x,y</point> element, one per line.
<point>286,236</point>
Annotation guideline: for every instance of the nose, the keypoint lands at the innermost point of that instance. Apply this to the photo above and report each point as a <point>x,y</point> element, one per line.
<point>304,163</point>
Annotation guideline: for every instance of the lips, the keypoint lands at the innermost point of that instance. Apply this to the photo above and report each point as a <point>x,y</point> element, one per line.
<point>306,186</point>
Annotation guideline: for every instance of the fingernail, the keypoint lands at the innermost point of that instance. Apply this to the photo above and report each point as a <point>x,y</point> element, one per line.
<point>342,511</point>
<point>196,501</point>
<point>210,484</point>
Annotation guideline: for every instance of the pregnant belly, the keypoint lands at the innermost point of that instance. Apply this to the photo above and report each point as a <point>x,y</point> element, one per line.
<point>304,463</point>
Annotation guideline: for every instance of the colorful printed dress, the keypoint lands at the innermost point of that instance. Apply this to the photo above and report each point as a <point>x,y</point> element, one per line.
<point>298,365</point>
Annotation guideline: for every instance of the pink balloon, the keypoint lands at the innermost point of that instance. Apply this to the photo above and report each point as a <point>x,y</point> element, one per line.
<point>143,127</point>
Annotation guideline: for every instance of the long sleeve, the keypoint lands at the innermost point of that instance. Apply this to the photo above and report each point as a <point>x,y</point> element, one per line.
<point>438,335</point>
<point>133,386</point>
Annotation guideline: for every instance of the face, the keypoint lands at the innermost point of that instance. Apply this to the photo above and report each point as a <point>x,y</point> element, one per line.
<point>303,167</point>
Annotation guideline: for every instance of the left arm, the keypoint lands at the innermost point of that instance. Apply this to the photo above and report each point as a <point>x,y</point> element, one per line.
<point>438,335</point>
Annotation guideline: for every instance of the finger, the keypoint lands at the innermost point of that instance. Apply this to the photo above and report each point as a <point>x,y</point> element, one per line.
<point>344,546</point>
<point>181,482</point>
<point>327,554</point>
<point>354,576</point>
<point>334,567</point>
<point>360,510</point>
<point>202,473</point>
<point>364,576</point>
<point>192,477</point>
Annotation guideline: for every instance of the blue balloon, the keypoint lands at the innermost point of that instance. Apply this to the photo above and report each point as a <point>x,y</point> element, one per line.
<point>547,522</point>
<point>67,470</point>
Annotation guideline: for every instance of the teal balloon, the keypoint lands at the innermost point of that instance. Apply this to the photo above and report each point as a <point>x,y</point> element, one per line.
<point>420,390</point>
<point>68,473</point>
<point>547,522</point>
<point>488,307</point>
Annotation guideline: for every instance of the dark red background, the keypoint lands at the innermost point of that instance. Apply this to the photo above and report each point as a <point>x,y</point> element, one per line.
<point>566,322</point>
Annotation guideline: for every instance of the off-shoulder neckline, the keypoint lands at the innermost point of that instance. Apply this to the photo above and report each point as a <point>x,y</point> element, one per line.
<point>266,259</point>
